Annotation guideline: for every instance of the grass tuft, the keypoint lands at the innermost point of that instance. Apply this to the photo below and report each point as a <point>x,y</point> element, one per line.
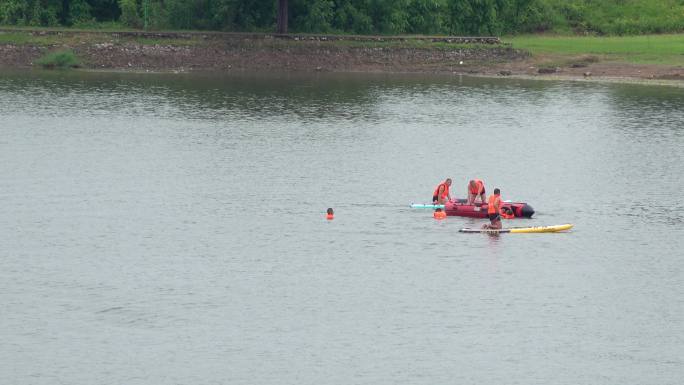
<point>60,59</point>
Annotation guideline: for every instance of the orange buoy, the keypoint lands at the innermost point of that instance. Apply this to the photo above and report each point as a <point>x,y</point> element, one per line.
<point>330,214</point>
<point>439,214</point>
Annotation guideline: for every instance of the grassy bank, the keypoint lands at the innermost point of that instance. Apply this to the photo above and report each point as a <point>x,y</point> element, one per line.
<point>214,51</point>
<point>648,49</point>
<point>644,49</point>
<point>30,37</point>
<point>648,56</point>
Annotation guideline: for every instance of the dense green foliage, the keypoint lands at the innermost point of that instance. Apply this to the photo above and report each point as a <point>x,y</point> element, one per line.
<point>459,17</point>
<point>618,17</point>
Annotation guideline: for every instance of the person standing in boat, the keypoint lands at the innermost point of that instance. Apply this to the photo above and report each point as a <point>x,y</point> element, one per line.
<point>476,189</point>
<point>493,210</point>
<point>441,194</point>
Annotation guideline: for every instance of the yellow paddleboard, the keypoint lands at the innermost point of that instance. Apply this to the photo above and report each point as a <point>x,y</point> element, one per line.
<point>541,229</point>
<point>537,229</point>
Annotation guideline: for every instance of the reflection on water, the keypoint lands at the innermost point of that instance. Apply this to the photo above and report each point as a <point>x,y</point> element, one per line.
<point>151,220</point>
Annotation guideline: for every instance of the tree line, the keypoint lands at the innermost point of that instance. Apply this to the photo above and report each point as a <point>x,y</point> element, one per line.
<point>452,17</point>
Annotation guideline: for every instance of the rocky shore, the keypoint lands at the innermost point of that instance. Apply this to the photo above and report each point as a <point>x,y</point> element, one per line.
<point>188,52</point>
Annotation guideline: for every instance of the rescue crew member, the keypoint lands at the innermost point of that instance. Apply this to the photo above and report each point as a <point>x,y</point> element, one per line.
<point>442,192</point>
<point>476,189</point>
<point>493,209</point>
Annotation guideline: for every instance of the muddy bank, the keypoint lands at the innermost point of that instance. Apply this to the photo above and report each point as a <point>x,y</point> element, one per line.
<point>188,52</point>
<point>578,69</point>
<point>298,58</point>
<point>233,52</point>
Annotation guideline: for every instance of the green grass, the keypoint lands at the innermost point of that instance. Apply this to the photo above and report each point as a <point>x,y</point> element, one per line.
<point>26,38</point>
<point>646,49</point>
<point>101,27</point>
<point>30,37</point>
<point>60,59</point>
<point>23,38</point>
<point>166,42</point>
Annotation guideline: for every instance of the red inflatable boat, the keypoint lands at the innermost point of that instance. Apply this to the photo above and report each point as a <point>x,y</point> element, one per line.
<point>510,210</point>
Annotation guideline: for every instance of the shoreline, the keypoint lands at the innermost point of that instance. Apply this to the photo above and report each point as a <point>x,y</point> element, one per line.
<point>556,77</point>
<point>595,79</point>
<point>181,52</point>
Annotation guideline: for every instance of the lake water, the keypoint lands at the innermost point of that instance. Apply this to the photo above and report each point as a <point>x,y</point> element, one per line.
<point>169,229</point>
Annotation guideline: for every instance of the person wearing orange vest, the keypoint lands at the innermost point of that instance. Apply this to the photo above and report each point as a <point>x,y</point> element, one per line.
<point>493,209</point>
<point>476,189</point>
<point>442,192</point>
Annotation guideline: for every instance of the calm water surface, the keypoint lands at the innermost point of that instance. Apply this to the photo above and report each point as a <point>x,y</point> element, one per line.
<point>162,229</point>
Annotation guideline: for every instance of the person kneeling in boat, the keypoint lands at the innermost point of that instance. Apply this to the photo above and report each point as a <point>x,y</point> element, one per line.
<point>442,192</point>
<point>493,209</point>
<point>476,189</point>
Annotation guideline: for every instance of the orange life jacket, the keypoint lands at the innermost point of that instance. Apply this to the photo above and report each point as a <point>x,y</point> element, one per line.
<point>492,203</point>
<point>479,186</point>
<point>445,193</point>
<point>507,213</point>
